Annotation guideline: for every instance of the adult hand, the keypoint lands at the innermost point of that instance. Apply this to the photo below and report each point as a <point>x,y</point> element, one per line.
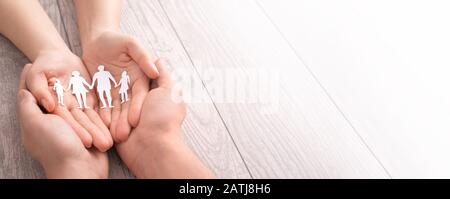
<point>87,124</point>
<point>120,52</point>
<point>155,148</point>
<point>53,142</point>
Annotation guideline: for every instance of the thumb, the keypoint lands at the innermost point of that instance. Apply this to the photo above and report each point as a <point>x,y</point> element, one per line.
<point>164,79</point>
<point>27,106</point>
<point>23,76</point>
<point>38,85</point>
<point>142,58</point>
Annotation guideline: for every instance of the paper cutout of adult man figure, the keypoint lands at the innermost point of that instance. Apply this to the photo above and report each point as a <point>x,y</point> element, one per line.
<point>77,83</point>
<point>59,89</point>
<point>103,79</point>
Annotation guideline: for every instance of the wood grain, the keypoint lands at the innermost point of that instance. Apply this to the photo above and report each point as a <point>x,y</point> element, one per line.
<point>299,133</point>
<point>203,128</point>
<point>385,64</point>
<point>15,162</point>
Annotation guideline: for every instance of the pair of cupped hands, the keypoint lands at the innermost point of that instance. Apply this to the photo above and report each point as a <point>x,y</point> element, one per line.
<point>69,137</point>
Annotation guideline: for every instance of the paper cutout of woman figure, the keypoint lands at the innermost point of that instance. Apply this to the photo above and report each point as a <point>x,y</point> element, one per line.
<point>77,83</point>
<point>59,88</point>
<point>123,83</point>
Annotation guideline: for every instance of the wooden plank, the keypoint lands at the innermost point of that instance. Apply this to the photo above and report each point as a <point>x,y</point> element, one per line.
<point>302,135</point>
<point>385,63</point>
<point>203,128</point>
<point>14,160</point>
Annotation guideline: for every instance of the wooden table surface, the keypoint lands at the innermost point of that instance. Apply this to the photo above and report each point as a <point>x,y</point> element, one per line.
<point>357,89</point>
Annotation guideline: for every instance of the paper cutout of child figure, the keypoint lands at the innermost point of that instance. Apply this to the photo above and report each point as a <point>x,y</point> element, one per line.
<point>124,86</point>
<point>103,79</point>
<point>59,88</point>
<point>77,83</point>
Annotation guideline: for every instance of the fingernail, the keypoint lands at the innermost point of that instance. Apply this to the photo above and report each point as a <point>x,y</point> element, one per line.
<point>46,104</point>
<point>154,68</point>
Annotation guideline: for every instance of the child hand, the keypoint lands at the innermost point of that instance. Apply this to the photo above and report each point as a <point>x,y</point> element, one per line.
<point>86,123</point>
<point>119,52</point>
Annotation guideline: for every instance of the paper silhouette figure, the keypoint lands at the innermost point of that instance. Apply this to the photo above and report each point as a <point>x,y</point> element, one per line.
<point>77,83</point>
<point>103,79</point>
<point>59,88</point>
<point>124,85</point>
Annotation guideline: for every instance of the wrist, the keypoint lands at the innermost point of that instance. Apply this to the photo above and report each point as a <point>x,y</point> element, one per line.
<point>149,145</point>
<point>154,134</point>
<point>90,34</point>
<point>96,17</point>
<point>54,48</point>
<point>71,169</point>
<point>154,137</point>
<point>56,55</point>
<point>56,51</point>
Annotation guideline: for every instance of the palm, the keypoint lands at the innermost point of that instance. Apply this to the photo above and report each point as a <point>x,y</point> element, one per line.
<point>163,113</point>
<point>67,145</point>
<point>62,69</point>
<point>158,112</point>
<point>84,122</point>
<point>110,50</point>
<point>49,133</point>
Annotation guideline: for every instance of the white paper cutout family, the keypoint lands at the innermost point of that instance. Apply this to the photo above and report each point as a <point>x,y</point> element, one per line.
<point>103,79</point>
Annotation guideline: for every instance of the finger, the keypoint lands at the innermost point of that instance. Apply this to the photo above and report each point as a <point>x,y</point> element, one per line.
<point>115,118</point>
<point>38,85</point>
<point>23,76</point>
<point>27,106</point>
<point>123,127</point>
<point>142,58</point>
<point>105,114</point>
<point>82,133</point>
<point>98,139</point>
<point>139,92</point>
<point>164,79</point>
<point>96,120</point>
<point>91,100</point>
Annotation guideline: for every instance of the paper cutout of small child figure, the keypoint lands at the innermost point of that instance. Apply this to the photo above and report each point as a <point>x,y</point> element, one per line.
<point>124,86</point>
<point>59,88</point>
<point>103,79</point>
<point>77,83</point>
